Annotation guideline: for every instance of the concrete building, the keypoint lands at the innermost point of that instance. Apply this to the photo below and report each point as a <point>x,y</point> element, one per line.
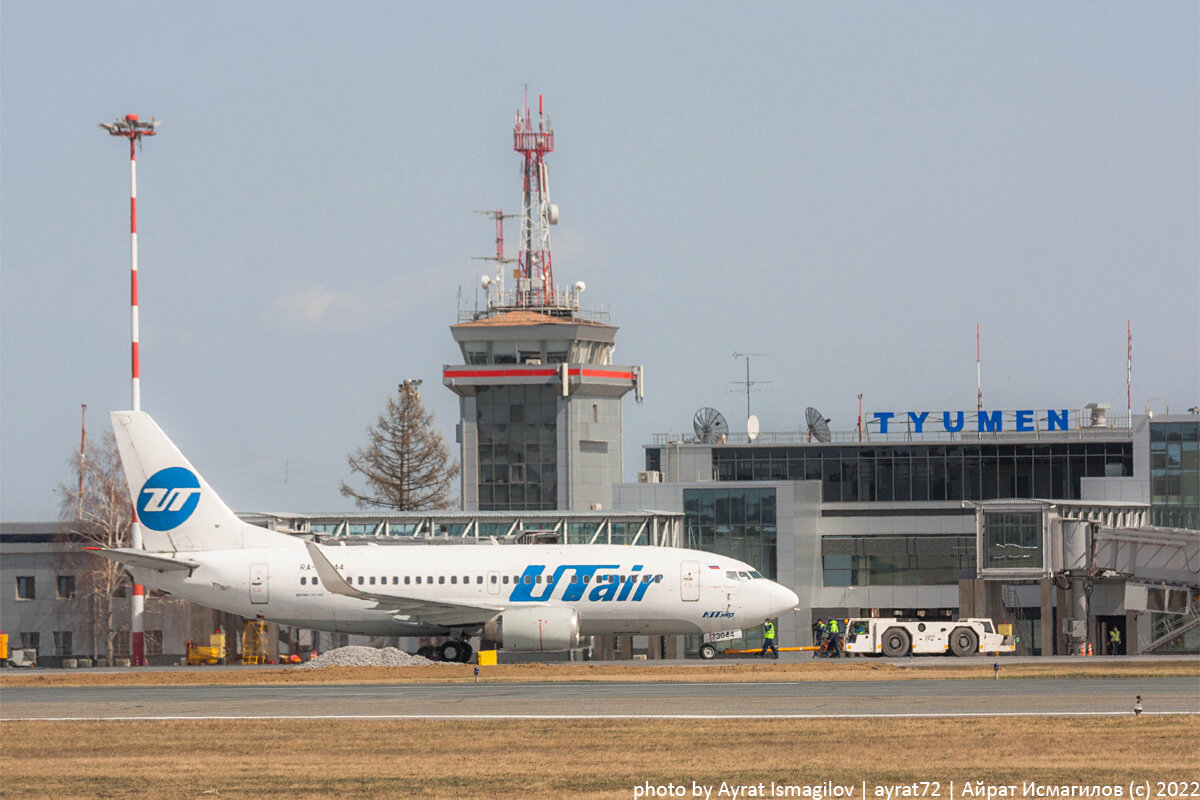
<point>46,603</point>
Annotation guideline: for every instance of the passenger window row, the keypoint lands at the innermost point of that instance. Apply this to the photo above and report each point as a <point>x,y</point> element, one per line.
<point>466,579</point>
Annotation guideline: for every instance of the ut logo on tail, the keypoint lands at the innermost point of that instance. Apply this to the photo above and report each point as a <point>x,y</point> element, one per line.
<point>168,498</point>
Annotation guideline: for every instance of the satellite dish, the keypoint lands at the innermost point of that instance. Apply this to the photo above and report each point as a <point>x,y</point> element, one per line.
<point>710,425</point>
<point>752,428</point>
<point>818,426</point>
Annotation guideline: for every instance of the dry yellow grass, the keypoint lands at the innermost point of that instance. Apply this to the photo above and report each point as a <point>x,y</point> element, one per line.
<point>855,670</point>
<point>533,759</point>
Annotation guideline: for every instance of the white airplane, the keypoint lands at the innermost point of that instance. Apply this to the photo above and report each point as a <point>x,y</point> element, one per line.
<point>527,597</point>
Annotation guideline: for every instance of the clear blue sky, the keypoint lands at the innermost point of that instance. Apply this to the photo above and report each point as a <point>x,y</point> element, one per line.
<point>849,187</point>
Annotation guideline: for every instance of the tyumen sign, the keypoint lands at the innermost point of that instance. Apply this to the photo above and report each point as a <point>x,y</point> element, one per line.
<point>984,421</point>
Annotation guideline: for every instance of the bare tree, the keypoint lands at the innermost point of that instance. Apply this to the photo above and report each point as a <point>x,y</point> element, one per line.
<point>97,513</point>
<point>405,463</point>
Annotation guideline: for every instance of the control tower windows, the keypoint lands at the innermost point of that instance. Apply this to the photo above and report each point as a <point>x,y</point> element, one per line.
<point>591,352</point>
<point>475,352</point>
<point>557,351</point>
<point>504,352</point>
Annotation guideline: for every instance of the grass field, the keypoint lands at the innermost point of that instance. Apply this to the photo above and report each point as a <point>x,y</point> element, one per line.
<point>534,759</point>
<point>853,670</point>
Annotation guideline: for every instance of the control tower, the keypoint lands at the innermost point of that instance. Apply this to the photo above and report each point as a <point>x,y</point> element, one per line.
<point>539,395</point>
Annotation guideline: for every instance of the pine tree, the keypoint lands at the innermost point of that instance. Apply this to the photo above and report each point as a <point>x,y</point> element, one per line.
<point>405,463</point>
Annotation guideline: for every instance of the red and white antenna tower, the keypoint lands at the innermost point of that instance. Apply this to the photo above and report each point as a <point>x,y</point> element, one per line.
<point>133,129</point>
<point>535,277</point>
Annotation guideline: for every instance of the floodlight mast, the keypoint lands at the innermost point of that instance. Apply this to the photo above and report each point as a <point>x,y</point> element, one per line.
<point>134,129</point>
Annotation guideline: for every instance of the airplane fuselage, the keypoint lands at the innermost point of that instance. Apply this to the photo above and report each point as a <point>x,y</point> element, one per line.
<point>614,589</point>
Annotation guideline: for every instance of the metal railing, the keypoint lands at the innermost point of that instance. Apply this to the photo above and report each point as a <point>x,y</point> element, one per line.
<point>1118,428</point>
<point>1171,626</point>
<point>564,304</point>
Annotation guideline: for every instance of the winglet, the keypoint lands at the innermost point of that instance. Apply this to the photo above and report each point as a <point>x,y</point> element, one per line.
<point>329,576</point>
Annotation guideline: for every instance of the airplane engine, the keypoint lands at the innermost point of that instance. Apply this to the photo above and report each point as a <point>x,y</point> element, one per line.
<point>539,629</point>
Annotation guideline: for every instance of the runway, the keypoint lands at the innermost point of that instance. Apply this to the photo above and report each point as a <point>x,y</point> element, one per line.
<point>1040,697</point>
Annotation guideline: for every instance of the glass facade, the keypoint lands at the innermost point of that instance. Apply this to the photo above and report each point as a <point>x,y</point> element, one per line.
<point>552,351</point>
<point>1175,474</point>
<point>916,560</point>
<point>1012,540</point>
<point>928,472</point>
<point>739,523</point>
<point>518,457</point>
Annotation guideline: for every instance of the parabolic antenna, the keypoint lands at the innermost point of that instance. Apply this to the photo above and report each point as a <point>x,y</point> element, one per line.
<point>710,425</point>
<point>752,428</point>
<point>818,426</point>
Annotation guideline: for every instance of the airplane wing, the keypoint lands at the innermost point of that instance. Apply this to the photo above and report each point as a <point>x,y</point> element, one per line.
<point>144,560</point>
<point>433,612</point>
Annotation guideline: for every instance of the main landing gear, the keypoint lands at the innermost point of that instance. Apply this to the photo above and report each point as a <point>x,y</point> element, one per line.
<point>459,651</point>
<point>453,650</point>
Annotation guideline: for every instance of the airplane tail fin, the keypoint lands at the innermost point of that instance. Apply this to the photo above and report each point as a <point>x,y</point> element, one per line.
<point>175,506</point>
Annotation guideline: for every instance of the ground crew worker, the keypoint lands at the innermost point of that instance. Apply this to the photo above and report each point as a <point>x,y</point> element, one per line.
<point>768,639</point>
<point>818,632</point>
<point>835,638</point>
<point>1114,642</point>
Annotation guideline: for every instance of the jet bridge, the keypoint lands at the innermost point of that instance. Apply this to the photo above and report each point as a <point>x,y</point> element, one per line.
<point>1069,572</point>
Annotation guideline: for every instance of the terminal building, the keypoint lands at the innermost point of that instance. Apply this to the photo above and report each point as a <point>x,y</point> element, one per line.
<point>986,520</point>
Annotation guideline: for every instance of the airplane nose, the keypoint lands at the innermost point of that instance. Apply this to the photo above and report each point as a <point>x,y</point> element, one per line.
<point>782,599</point>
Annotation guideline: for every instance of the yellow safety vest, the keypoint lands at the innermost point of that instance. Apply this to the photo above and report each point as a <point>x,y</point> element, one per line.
<point>769,631</point>
<point>833,626</point>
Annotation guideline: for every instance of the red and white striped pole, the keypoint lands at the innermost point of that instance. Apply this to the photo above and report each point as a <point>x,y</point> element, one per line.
<point>133,129</point>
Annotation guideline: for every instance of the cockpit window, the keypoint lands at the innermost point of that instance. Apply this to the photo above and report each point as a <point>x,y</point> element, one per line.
<point>756,574</point>
<point>733,576</point>
<point>744,576</point>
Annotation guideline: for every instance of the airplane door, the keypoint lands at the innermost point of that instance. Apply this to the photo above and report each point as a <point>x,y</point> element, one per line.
<point>258,583</point>
<point>689,581</point>
<point>493,582</point>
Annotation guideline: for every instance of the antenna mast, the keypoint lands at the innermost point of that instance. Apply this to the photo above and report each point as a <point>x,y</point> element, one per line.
<point>1129,371</point>
<point>495,286</point>
<point>978,371</point>
<point>535,276</point>
<point>748,383</point>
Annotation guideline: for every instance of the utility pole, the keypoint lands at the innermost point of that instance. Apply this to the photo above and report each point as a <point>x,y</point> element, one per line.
<point>82,465</point>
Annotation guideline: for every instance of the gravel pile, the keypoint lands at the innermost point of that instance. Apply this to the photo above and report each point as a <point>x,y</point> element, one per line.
<point>356,656</point>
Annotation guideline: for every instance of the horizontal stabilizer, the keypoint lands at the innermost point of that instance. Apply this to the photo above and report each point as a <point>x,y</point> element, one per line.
<point>143,560</point>
<point>433,612</point>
